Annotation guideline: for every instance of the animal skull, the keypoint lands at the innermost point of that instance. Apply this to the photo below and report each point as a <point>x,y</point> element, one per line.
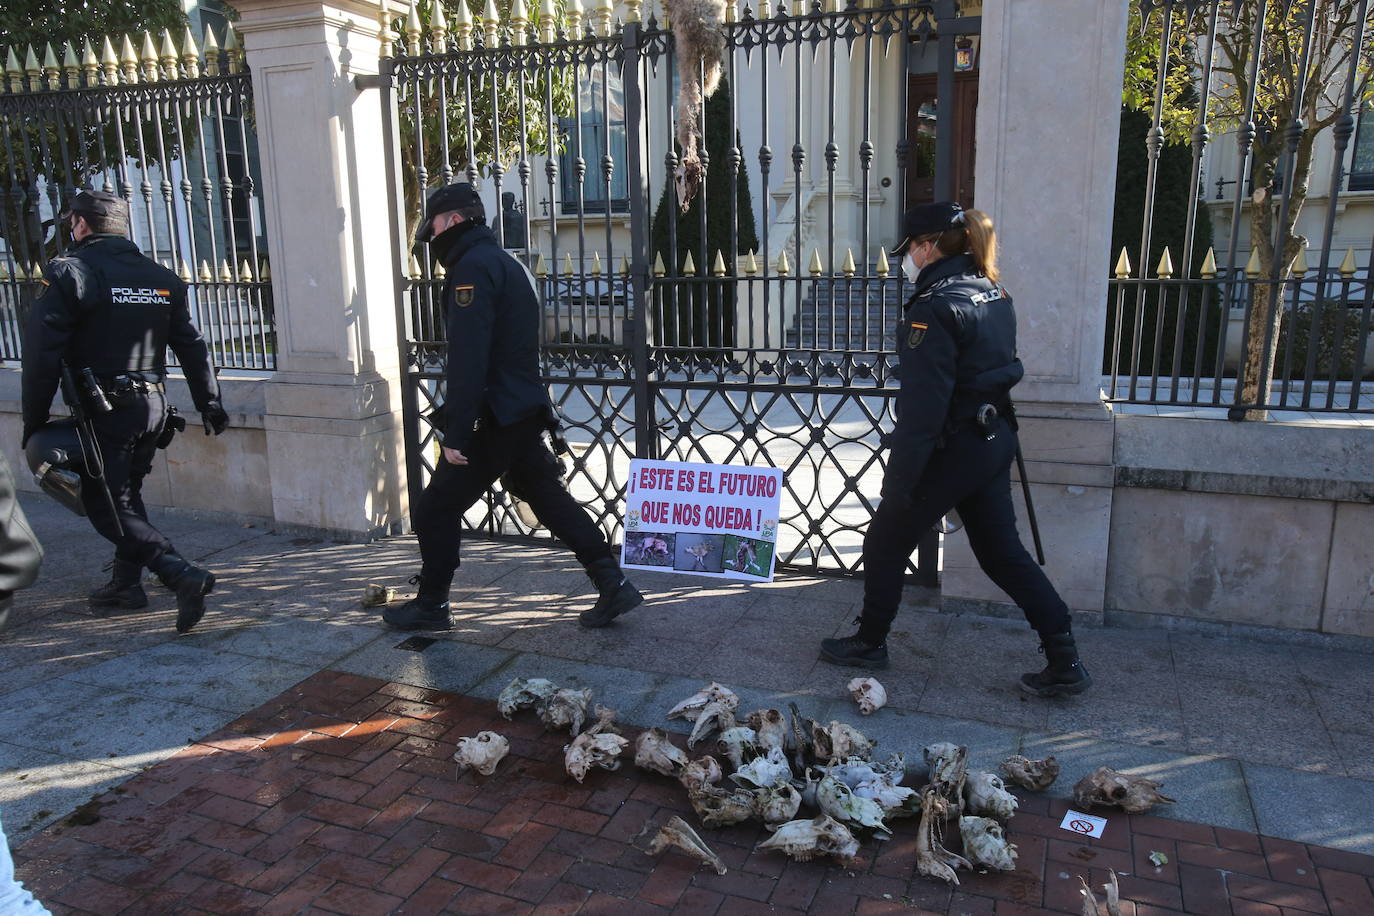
<point>737,743</point>
<point>566,708</point>
<point>839,801</point>
<point>1132,794</point>
<point>763,771</point>
<point>1035,775</point>
<point>987,796</point>
<point>700,774</point>
<point>868,693</point>
<point>721,807</point>
<point>691,707</point>
<point>770,727</point>
<point>777,804</point>
<point>948,765</point>
<point>679,835</point>
<point>523,693</point>
<point>481,753</point>
<point>375,595</point>
<point>715,715</point>
<point>804,840</point>
<point>838,740</point>
<point>933,860</point>
<point>653,751</point>
<point>597,746</point>
<point>986,844</point>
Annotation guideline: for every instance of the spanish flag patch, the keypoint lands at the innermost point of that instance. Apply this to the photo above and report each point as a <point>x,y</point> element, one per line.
<point>916,334</point>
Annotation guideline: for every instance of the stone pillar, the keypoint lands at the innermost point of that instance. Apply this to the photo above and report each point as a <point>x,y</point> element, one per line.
<point>336,454</point>
<point>1049,99</point>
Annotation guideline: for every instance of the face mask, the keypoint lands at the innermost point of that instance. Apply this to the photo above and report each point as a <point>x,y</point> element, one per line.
<point>910,269</point>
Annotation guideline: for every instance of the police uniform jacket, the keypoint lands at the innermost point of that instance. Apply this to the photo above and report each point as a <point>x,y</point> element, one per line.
<point>107,308</point>
<point>493,338</point>
<point>957,351</point>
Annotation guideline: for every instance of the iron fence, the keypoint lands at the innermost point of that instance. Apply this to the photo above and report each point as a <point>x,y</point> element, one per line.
<point>1260,298</point>
<point>169,131</point>
<point>752,330</point>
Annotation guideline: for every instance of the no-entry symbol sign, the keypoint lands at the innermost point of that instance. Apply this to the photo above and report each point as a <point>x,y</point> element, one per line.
<point>1083,824</point>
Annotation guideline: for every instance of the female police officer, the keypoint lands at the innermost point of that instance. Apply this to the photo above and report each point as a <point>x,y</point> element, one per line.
<point>954,442</point>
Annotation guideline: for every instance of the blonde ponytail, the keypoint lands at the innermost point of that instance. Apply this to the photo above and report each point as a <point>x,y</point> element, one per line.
<point>982,243</point>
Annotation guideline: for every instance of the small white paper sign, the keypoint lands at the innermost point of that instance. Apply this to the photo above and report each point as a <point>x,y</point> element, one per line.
<point>1083,824</point>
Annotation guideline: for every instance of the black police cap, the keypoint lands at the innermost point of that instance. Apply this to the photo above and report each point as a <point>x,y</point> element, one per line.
<point>457,196</point>
<point>926,220</point>
<point>97,203</point>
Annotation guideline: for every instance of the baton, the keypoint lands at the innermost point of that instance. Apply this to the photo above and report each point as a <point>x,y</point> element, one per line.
<point>90,446</point>
<point>1030,506</point>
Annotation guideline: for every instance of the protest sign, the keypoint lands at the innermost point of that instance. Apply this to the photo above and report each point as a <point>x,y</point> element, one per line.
<point>718,520</point>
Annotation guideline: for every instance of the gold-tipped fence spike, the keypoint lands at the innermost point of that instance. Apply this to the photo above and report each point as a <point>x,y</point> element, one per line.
<point>264,272</point>
<point>548,22</point>
<point>632,13</point>
<point>718,266</point>
<point>462,27</point>
<point>128,60</point>
<point>848,267</point>
<point>491,24</point>
<point>211,53</point>
<point>90,64</point>
<point>226,273</point>
<point>1300,267</point>
<point>438,27</point>
<point>541,269</point>
<point>413,268</point>
<point>573,12</point>
<point>603,14</point>
<point>1347,268</point>
<point>52,71</point>
<point>183,272</point>
<point>784,268</point>
<point>596,263</point>
<point>1209,265</point>
<point>4,271</point>
<point>1252,266</point>
<point>816,267</point>
<point>883,268</point>
<point>625,265</point>
<point>1165,270</point>
<point>33,70</point>
<point>147,56</point>
<point>167,55</point>
<point>438,269</point>
<point>751,265</point>
<point>689,267</point>
<point>567,264</point>
<point>731,11</point>
<point>520,20</point>
<point>12,68</point>
<point>234,49</point>
<point>659,269</point>
<point>1123,266</point>
<point>205,276</point>
<point>245,272</point>
<point>71,63</point>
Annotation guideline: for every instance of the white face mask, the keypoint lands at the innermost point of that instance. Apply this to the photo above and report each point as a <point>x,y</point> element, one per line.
<point>909,268</point>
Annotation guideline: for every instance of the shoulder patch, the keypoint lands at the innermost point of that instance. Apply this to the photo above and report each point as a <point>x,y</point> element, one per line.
<point>991,295</point>
<point>462,296</point>
<point>916,333</point>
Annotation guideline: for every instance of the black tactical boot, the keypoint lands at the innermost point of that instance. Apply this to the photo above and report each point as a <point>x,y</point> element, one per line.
<point>617,594</point>
<point>125,588</point>
<point>1063,674</point>
<point>191,584</point>
<point>854,651</point>
<point>428,610</point>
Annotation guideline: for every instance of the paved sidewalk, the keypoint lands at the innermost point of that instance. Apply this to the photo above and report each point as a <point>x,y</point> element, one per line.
<point>1273,738</point>
<point>340,796</point>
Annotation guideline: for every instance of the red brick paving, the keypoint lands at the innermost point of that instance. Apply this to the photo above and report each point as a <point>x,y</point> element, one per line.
<point>340,797</point>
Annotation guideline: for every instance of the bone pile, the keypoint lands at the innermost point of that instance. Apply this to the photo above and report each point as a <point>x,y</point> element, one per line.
<point>558,708</point>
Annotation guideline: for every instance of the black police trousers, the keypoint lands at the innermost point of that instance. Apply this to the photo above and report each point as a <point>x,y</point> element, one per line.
<point>972,474</point>
<point>128,443</point>
<point>518,452</point>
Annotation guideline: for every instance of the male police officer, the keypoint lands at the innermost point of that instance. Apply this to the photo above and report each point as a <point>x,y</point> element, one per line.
<point>107,308</point>
<point>496,411</point>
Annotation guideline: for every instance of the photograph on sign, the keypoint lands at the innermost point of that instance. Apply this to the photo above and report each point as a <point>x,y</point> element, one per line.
<point>715,520</point>
<point>1083,824</point>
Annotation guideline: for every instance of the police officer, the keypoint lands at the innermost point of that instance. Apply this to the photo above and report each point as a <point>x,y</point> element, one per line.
<point>495,413</point>
<point>107,308</point>
<point>955,441</point>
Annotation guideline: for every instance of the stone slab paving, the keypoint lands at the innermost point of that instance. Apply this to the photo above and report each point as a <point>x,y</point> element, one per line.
<point>1262,735</point>
<point>340,796</point>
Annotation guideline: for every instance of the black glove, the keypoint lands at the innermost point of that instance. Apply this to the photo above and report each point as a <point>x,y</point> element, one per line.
<point>213,417</point>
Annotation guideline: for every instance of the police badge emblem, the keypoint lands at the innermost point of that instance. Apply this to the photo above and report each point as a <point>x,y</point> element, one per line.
<point>917,334</point>
<point>462,296</point>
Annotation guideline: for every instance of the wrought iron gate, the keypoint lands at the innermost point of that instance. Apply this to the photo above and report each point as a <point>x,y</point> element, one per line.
<point>752,330</point>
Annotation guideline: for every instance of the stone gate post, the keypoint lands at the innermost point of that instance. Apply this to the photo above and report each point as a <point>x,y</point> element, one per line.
<point>336,454</point>
<point>1048,113</point>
